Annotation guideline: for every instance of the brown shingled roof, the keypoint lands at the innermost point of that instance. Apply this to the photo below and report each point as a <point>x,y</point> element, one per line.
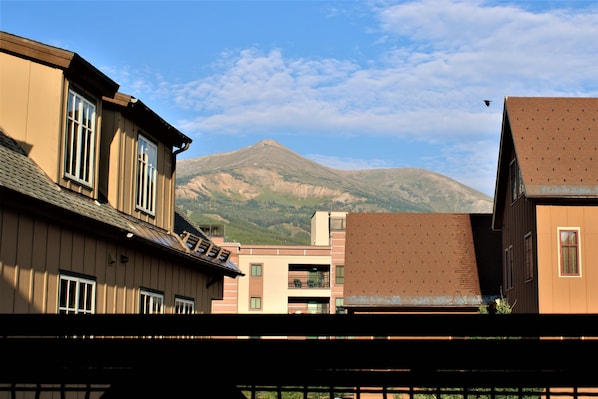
<point>556,143</point>
<point>411,260</point>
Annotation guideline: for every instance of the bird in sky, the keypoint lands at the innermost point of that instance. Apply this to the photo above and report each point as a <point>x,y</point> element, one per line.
<point>487,102</point>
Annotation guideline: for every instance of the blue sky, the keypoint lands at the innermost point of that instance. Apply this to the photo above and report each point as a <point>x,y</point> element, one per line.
<point>348,84</point>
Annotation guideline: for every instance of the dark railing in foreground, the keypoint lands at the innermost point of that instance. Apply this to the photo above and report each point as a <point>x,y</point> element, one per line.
<point>276,325</point>
<point>355,351</point>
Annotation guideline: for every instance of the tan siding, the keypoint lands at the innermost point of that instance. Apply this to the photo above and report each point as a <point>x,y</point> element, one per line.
<point>121,182</point>
<point>567,294</point>
<point>163,204</point>
<point>31,111</point>
<point>101,264</point>
<point>38,262</point>
<point>168,278</point>
<point>52,265</point>
<point>8,256</point>
<point>23,275</point>
<point>123,274</point>
<point>31,286</point>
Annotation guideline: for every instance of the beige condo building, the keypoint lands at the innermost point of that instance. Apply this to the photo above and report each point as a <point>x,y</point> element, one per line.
<point>288,279</point>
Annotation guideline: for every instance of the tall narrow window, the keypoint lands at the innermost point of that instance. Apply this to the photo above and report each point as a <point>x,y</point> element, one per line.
<point>255,303</point>
<point>80,139</point>
<point>339,273</point>
<point>147,158</point>
<point>515,179</point>
<point>569,251</point>
<point>151,302</point>
<point>529,257</point>
<point>339,304</point>
<point>256,270</point>
<point>76,295</point>
<point>184,305</point>
<point>508,272</point>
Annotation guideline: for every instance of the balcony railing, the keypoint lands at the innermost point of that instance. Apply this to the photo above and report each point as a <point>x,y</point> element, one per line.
<point>309,308</point>
<point>309,280</point>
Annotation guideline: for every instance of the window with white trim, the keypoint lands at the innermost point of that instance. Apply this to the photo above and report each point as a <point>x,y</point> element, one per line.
<point>569,252</point>
<point>80,137</point>
<point>76,294</point>
<point>147,159</point>
<point>183,305</point>
<point>150,302</point>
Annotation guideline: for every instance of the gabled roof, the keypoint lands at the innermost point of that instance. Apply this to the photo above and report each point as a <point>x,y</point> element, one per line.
<point>555,141</point>
<point>23,181</point>
<point>411,261</point>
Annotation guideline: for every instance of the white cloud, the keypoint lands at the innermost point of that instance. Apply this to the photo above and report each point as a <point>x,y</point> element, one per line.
<point>437,60</point>
<point>349,163</point>
<point>446,55</point>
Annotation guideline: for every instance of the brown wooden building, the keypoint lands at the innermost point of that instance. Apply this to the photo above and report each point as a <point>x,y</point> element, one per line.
<point>546,204</point>
<point>87,196</point>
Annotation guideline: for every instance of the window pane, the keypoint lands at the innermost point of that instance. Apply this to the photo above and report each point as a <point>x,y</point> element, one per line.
<point>569,247</point>
<point>80,139</point>
<point>147,155</point>
<point>150,302</point>
<point>340,274</point>
<point>76,295</point>
<point>184,306</point>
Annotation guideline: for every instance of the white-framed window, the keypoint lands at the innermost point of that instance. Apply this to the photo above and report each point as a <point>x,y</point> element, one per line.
<point>151,302</point>
<point>569,251</point>
<point>147,159</point>
<point>255,302</point>
<point>183,305</point>
<point>76,294</point>
<point>80,137</point>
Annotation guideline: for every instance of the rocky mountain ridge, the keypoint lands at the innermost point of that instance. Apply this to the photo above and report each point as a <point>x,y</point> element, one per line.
<point>266,193</point>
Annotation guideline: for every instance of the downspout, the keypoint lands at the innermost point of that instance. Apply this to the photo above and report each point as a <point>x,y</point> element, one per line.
<point>185,147</point>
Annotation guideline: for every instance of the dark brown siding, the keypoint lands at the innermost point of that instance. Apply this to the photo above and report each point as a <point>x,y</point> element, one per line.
<point>519,219</point>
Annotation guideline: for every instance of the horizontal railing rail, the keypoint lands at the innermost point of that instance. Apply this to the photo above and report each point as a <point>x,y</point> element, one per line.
<point>297,325</point>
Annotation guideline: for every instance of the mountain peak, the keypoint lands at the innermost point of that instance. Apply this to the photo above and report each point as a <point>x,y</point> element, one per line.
<point>269,142</point>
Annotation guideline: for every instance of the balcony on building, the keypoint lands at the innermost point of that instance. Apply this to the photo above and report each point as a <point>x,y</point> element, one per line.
<point>309,276</point>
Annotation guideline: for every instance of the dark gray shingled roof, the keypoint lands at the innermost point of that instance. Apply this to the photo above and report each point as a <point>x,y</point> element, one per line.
<point>20,174</point>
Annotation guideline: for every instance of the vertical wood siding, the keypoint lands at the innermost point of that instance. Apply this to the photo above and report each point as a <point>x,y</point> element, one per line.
<point>567,294</point>
<point>519,220</point>
<point>33,252</point>
<point>122,170</point>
